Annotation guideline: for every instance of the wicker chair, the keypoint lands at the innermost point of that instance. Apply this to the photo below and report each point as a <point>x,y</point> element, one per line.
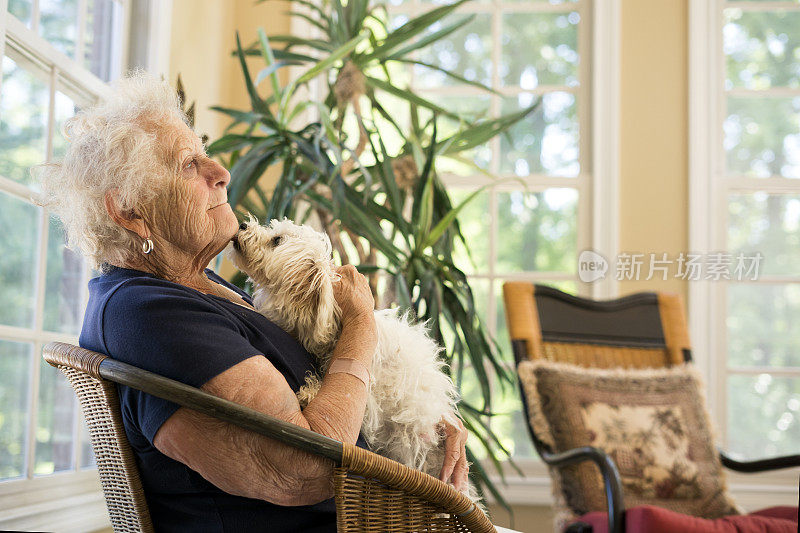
<point>372,493</point>
<point>643,330</point>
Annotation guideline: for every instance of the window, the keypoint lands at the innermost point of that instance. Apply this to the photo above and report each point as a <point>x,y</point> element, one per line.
<point>745,192</point>
<point>525,51</point>
<point>56,56</point>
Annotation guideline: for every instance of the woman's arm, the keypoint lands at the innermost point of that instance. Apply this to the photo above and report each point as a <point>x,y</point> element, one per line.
<point>247,464</point>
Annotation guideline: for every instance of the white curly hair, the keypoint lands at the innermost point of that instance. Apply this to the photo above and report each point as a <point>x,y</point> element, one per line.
<point>116,145</point>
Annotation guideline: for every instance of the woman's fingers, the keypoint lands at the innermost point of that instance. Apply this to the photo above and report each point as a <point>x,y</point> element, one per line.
<point>352,292</point>
<point>461,470</point>
<point>455,453</point>
<point>451,455</point>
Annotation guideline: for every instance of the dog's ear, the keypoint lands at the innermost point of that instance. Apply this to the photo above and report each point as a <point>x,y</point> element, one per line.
<point>318,313</point>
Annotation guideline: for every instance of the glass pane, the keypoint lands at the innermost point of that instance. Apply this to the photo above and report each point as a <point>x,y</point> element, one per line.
<point>58,23</point>
<point>480,295</point>
<point>546,141</point>
<point>768,224</point>
<point>762,49</point>
<point>467,52</point>
<point>98,44</point>
<point>19,226</point>
<point>63,296</point>
<point>87,454</point>
<point>763,415</point>
<point>539,231</point>
<point>470,108</point>
<point>539,49</point>
<point>510,425</point>
<point>762,324</point>
<point>21,9</point>
<point>471,394</point>
<point>54,422</point>
<point>23,121</point>
<point>762,137</point>
<point>64,109</point>
<point>474,221</point>
<point>15,360</point>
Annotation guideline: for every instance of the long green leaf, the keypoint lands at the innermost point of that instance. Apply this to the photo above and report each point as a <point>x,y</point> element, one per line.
<point>248,117</point>
<point>411,28</point>
<point>430,38</point>
<point>448,219</point>
<point>481,132</point>
<point>272,66</point>
<point>231,142</point>
<point>409,96</point>
<point>449,73</point>
<point>255,100</point>
<point>331,60</point>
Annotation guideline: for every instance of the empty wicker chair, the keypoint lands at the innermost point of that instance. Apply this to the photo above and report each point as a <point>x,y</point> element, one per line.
<point>643,330</point>
<point>373,494</point>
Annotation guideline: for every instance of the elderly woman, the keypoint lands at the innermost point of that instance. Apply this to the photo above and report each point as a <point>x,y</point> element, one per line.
<point>141,199</point>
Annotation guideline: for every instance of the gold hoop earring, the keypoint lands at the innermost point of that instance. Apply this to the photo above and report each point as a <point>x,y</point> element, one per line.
<point>147,246</point>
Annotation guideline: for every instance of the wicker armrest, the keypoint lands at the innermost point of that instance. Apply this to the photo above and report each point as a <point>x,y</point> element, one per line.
<point>373,493</point>
<point>759,465</point>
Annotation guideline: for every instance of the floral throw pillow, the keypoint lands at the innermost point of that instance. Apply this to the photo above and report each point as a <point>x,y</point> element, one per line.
<point>653,424</point>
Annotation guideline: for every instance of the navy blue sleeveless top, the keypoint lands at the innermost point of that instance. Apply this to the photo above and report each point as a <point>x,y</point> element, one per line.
<point>189,336</point>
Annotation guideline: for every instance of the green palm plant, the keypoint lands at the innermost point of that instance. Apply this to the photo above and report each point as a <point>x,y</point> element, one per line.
<point>385,210</point>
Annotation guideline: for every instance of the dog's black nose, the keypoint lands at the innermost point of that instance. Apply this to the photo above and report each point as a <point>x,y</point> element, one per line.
<point>243,225</point>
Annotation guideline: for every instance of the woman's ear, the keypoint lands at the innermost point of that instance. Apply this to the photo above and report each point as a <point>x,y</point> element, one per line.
<point>127,219</point>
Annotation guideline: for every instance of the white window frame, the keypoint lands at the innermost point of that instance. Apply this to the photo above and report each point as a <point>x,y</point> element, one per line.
<point>708,221</point>
<point>70,499</point>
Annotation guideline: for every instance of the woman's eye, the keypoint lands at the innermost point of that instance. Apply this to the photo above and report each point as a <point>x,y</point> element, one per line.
<point>190,164</point>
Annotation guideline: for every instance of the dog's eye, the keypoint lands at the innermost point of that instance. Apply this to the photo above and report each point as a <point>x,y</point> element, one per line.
<point>276,241</point>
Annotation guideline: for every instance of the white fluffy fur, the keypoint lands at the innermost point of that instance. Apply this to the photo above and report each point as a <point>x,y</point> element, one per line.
<point>292,271</point>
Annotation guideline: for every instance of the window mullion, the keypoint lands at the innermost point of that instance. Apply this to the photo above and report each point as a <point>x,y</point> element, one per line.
<point>51,114</point>
<point>3,18</point>
<point>33,399</point>
<point>79,44</point>
<point>35,15</point>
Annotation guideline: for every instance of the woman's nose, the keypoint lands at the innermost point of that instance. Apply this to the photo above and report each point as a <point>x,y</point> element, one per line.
<point>218,176</point>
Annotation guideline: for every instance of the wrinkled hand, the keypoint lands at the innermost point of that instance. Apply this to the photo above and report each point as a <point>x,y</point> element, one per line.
<point>353,295</point>
<point>455,468</point>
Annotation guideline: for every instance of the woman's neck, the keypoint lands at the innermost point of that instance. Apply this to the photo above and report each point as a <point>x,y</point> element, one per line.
<point>190,277</point>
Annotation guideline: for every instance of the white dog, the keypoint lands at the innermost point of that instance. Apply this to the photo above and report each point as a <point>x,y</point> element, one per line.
<point>292,271</point>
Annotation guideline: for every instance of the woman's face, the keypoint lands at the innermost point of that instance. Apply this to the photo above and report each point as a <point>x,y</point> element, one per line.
<point>193,214</point>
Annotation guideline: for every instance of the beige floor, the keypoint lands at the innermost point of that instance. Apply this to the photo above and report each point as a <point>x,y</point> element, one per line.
<point>527,518</point>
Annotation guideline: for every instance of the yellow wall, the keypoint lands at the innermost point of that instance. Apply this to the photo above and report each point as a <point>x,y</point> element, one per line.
<point>654,162</point>
<point>653,178</point>
<point>203,37</point>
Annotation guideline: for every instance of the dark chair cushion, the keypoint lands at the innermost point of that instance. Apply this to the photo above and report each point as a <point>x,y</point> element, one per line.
<point>650,519</point>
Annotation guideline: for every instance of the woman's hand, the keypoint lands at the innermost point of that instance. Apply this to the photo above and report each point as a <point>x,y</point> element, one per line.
<point>455,468</point>
<point>359,332</point>
<point>353,295</point>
